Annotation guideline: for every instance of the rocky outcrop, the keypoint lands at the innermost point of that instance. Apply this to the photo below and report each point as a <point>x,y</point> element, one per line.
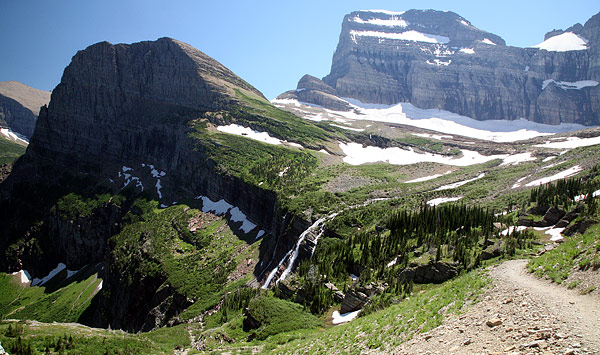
<point>436,59</point>
<point>435,272</point>
<point>119,109</point>
<point>20,106</point>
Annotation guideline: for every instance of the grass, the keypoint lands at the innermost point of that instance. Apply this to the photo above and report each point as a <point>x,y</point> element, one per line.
<point>65,301</point>
<point>78,339</point>
<point>386,329</point>
<point>581,252</point>
<point>9,150</point>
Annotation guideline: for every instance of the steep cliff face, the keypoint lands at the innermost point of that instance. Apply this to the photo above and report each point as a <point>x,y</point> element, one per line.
<point>436,59</point>
<point>140,116</point>
<point>20,105</point>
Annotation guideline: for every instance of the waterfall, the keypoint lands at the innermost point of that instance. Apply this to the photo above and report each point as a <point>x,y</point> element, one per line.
<point>293,253</point>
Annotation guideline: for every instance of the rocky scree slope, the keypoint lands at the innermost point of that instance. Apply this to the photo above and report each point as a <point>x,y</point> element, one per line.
<point>436,59</point>
<point>124,116</point>
<point>20,105</point>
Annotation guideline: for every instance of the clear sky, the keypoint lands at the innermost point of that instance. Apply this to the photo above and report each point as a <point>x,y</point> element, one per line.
<point>270,44</point>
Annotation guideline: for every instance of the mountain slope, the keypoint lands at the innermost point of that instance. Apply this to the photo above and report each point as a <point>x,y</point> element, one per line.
<point>20,106</point>
<point>438,60</point>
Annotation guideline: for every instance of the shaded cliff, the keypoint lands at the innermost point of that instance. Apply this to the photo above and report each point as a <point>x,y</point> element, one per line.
<point>20,105</point>
<point>131,123</point>
<point>436,59</point>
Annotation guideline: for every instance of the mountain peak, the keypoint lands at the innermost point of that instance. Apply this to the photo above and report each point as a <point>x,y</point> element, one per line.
<point>429,26</point>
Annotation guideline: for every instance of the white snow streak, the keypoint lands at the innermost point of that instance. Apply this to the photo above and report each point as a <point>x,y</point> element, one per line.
<point>571,142</point>
<point>343,318</point>
<point>561,175</point>
<point>13,136</point>
<point>249,133</point>
<point>440,200</point>
<point>411,35</point>
<point>460,183</point>
<point>568,85</point>
<point>394,21</point>
<point>427,178</point>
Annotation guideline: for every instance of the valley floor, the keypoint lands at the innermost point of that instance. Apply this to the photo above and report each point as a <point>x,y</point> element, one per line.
<point>520,314</point>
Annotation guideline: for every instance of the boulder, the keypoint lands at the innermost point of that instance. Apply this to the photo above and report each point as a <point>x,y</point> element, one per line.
<point>435,272</point>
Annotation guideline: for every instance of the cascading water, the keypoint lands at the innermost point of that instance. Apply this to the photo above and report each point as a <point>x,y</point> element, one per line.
<point>293,253</point>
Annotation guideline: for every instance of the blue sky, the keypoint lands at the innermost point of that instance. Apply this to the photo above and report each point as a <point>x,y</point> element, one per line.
<point>270,44</point>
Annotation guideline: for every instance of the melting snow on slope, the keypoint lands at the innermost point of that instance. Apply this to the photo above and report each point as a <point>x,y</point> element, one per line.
<point>343,318</point>
<point>582,197</point>
<point>60,267</point>
<point>427,178</point>
<point>467,50</point>
<point>221,207</point>
<point>387,12</point>
<point>561,175</point>
<point>24,276</point>
<point>249,133</point>
<point>394,21</point>
<point>488,41</point>
<point>412,35</point>
<point>555,234</point>
<point>440,200</point>
<point>567,41</point>
<point>13,136</point>
<point>460,183</point>
<point>568,85</point>
<point>518,158</point>
<point>571,142</point>
<point>356,154</point>
<point>451,123</point>
<point>511,229</point>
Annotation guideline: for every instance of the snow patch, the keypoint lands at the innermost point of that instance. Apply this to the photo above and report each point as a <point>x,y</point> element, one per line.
<point>411,35</point>
<point>338,318</point>
<point>387,12</point>
<point>568,85</point>
<point>13,136</point>
<point>564,42</point>
<point>324,152</point>
<point>394,21</point>
<point>24,276</point>
<point>357,154</point>
<point>570,143</point>
<point>467,50</point>
<point>39,282</point>
<point>460,183</point>
<point>427,178</point>
<point>511,230</point>
<point>561,175</point>
<point>249,133</point>
<point>440,200</point>
<point>488,41</point>
<point>555,234</point>
<point>518,158</point>
<point>238,216</point>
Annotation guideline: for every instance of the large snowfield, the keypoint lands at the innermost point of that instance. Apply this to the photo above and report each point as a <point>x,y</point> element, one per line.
<point>443,121</point>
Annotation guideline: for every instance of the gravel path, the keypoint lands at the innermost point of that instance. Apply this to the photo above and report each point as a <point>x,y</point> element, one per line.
<point>520,314</point>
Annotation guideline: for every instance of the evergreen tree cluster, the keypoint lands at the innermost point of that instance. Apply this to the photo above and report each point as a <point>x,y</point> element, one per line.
<point>563,192</point>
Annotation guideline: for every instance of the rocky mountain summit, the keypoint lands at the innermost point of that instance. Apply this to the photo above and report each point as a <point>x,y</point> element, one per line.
<point>438,59</point>
<point>20,106</point>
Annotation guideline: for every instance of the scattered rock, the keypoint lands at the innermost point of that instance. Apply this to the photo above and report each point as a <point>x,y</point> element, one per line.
<point>493,322</point>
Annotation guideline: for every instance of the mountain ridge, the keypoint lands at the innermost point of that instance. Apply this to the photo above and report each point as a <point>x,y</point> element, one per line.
<point>385,58</point>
